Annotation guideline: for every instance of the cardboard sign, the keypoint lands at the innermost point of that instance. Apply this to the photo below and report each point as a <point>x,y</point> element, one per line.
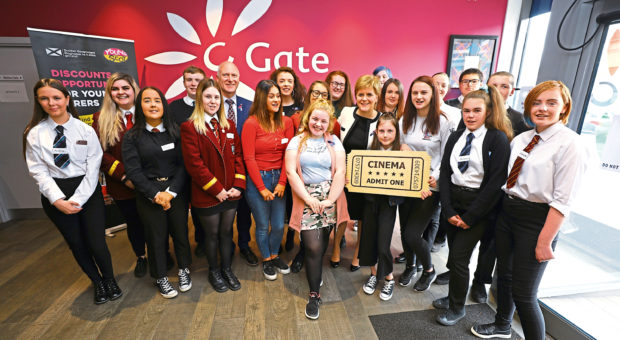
<point>394,173</point>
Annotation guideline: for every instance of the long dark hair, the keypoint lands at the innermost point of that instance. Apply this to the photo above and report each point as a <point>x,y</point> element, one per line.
<point>299,90</point>
<point>401,98</point>
<point>410,114</point>
<point>259,106</point>
<point>38,113</point>
<point>139,127</point>
<point>386,117</point>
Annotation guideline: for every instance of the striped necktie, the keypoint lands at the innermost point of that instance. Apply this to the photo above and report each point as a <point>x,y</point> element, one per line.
<point>61,157</point>
<point>231,111</point>
<point>465,152</point>
<point>216,130</point>
<point>518,164</point>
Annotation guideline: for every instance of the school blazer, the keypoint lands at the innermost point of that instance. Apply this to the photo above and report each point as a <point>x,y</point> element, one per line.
<point>495,155</point>
<point>212,168</point>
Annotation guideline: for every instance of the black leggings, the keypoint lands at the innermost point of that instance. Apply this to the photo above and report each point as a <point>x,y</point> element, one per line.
<point>218,236</point>
<point>315,244</point>
<point>419,213</point>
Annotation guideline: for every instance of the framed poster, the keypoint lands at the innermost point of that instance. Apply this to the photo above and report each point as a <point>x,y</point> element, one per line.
<point>471,51</point>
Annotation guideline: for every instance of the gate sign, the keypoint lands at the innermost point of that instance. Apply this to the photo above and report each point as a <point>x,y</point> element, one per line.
<point>394,173</point>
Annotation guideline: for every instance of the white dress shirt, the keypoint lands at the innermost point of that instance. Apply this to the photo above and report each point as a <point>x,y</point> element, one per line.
<point>133,113</point>
<point>189,101</point>
<point>552,171</point>
<point>208,120</point>
<point>84,154</point>
<point>434,145</point>
<point>472,178</point>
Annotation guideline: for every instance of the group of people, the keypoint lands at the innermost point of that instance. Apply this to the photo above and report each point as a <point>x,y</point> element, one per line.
<point>281,159</point>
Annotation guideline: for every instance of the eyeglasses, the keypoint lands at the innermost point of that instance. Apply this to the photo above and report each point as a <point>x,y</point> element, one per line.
<point>317,93</point>
<point>336,84</point>
<point>470,81</point>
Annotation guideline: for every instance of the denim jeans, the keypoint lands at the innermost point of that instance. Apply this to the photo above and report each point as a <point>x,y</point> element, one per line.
<point>266,212</point>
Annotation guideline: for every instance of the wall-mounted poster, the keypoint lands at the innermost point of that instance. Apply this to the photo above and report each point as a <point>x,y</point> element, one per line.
<point>471,51</point>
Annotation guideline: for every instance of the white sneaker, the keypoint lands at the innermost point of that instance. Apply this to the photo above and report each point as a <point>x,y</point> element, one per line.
<point>387,290</point>
<point>165,288</point>
<point>185,281</point>
<point>370,285</point>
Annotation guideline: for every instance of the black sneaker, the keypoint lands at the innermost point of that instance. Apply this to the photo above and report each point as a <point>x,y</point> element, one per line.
<point>442,303</point>
<point>298,262</point>
<point>112,289</point>
<point>443,278</point>
<point>165,288</point>
<point>101,296</point>
<point>405,278</point>
<point>312,308</point>
<point>478,292</point>
<point>450,317</point>
<point>400,258</point>
<point>185,281</point>
<point>141,267</point>
<point>282,267</point>
<point>231,279</point>
<point>387,290</point>
<point>269,271</point>
<point>424,282</point>
<point>371,285</point>
<point>490,330</point>
<point>249,256</point>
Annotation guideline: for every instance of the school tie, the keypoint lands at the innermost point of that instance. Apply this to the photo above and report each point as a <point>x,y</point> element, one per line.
<point>155,130</point>
<point>465,152</point>
<point>216,130</point>
<point>231,111</point>
<point>518,164</point>
<point>60,142</point>
<point>129,118</point>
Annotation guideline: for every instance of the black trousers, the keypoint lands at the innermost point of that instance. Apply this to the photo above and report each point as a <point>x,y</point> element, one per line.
<point>159,223</point>
<point>516,236</point>
<point>199,233</point>
<point>461,243</point>
<point>416,213</point>
<point>487,255</point>
<point>135,229</point>
<point>84,232</point>
<point>378,226</point>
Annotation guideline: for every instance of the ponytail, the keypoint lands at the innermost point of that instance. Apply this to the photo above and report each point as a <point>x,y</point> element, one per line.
<point>496,115</point>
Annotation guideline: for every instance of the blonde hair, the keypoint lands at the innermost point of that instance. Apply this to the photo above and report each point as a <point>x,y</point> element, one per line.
<point>198,116</point>
<point>545,86</point>
<point>368,82</point>
<point>110,122</point>
<point>321,105</point>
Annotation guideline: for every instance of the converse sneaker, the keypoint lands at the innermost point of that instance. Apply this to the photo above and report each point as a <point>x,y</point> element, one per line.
<point>282,267</point>
<point>165,288</point>
<point>405,278</point>
<point>370,285</point>
<point>269,270</point>
<point>387,290</point>
<point>424,282</point>
<point>185,282</point>
<point>312,308</point>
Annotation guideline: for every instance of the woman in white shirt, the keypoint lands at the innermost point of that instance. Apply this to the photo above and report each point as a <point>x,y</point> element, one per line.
<point>63,156</point>
<point>546,165</point>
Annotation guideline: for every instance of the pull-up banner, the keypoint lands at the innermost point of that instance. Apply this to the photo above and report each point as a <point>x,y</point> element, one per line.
<point>83,63</point>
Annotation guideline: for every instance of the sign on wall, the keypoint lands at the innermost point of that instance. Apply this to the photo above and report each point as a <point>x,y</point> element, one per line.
<point>83,63</point>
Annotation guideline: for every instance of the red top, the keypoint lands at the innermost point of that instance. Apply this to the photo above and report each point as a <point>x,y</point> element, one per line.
<point>264,150</point>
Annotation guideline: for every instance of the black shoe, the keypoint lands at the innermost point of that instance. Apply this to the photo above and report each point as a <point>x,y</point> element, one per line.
<point>185,281</point>
<point>354,268</point>
<point>101,296</point>
<point>405,278</point>
<point>450,317</point>
<point>298,263</point>
<point>478,292</point>
<point>400,258</point>
<point>141,267</point>
<point>269,270</point>
<point>169,261</point>
<point>490,330</point>
<point>290,240</point>
<point>443,278</point>
<point>312,308</point>
<point>437,246</point>
<point>249,256</point>
<point>282,267</point>
<point>112,289</point>
<point>334,264</point>
<point>165,288</point>
<point>217,281</point>
<point>442,303</point>
<point>200,250</point>
<point>231,279</point>
<point>424,282</point>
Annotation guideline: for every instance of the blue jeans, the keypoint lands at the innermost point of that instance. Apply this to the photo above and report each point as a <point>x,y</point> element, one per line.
<point>265,212</point>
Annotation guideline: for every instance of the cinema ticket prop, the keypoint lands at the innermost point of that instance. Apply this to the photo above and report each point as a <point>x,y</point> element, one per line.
<point>394,173</point>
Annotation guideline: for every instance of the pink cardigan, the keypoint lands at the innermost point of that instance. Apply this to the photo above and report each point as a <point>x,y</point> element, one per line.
<point>342,213</point>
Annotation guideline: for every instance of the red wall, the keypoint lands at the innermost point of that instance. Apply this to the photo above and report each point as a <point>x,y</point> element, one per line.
<point>410,37</point>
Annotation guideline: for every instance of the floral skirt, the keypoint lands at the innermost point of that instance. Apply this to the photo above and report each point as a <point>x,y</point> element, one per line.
<point>311,220</point>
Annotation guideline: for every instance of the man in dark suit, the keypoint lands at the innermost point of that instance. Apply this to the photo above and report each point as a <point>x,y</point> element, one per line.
<point>505,83</point>
<point>469,80</point>
<point>237,110</point>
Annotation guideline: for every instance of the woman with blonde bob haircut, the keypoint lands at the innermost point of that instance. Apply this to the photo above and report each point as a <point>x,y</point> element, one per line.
<point>315,167</point>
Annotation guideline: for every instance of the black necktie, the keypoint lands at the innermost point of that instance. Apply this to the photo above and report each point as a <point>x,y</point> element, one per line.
<point>465,152</point>
<point>61,159</point>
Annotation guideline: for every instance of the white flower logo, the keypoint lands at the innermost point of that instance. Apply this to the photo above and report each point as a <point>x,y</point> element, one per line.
<point>254,10</point>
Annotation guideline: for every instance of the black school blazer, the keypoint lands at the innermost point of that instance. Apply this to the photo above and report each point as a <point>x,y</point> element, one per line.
<point>495,156</point>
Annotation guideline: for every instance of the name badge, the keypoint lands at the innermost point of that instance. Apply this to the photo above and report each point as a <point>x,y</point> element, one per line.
<point>523,154</point>
<point>230,135</point>
<point>284,140</point>
<point>59,150</point>
<point>463,158</point>
<point>167,147</point>
<point>81,142</point>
